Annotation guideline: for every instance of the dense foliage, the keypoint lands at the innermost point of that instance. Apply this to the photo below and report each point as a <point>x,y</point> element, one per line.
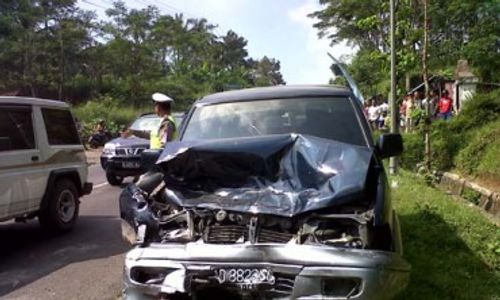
<point>458,29</point>
<point>51,48</point>
<point>469,143</point>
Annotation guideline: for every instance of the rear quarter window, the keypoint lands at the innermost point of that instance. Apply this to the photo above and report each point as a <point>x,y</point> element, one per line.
<point>60,126</point>
<point>16,129</point>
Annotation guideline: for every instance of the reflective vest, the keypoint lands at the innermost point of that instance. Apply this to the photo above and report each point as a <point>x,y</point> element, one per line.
<point>155,136</point>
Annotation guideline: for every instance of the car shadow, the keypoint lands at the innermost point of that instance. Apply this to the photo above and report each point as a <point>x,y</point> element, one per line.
<point>443,266</point>
<point>29,253</point>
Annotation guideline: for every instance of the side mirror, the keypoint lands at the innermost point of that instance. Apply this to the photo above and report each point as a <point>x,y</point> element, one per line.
<point>390,144</point>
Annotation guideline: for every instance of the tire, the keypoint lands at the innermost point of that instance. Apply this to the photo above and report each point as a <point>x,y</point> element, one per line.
<point>60,210</point>
<point>112,178</point>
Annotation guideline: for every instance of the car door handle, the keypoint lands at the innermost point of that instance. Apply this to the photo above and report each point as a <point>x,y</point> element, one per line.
<point>34,158</point>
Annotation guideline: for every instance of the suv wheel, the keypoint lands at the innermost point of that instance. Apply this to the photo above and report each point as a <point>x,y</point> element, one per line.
<point>61,209</point>
<point>112,178</point>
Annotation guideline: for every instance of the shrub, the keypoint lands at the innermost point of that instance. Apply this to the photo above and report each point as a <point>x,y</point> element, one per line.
<point>490,163</point>
<point>481,109</point>
<point>445,144</point>
<point>481,155</point>
<point>109,109</point>
<point>105,108</point>
<point>413,150</point>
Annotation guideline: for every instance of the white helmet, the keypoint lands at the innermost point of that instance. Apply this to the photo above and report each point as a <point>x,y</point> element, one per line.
<point>159,97</point>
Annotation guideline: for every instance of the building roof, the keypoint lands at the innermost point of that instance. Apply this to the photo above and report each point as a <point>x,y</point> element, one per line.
<point>275,92</point>
<point>32,101</point>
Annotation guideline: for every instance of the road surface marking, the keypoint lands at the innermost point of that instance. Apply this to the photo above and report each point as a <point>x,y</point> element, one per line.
<point>100,185</point>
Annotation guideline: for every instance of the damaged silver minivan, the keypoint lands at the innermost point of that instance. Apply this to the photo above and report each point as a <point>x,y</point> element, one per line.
<point>270,193</point>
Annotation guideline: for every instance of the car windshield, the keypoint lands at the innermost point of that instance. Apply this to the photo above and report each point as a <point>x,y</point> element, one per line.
<point>146,123</point>
<point>329,118</point>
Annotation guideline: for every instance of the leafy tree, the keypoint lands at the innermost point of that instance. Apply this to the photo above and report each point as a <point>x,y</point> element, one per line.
<point>50,48</point>
<point>457,29</point>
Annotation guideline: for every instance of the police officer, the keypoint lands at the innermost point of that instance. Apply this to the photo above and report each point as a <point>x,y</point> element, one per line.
<point>168,127</point>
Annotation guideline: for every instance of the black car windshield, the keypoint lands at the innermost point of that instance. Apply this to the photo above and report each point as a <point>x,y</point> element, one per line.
<point>329,118</point>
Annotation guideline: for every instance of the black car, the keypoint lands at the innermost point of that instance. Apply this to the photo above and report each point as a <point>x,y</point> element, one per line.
<point>121,157</point>
<point>270,193</point>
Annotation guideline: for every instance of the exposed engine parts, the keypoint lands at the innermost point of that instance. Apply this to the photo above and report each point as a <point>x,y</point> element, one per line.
<point>155,219</point>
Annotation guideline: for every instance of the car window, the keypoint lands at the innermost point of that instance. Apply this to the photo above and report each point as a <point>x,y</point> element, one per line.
<point>147,123</point>
<point>60,126</point>
<point>329,118</point>
<point>16,129</point>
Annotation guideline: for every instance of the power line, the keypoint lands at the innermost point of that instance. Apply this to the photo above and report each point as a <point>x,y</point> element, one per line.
<point>177,9</point>
<point>174,9</point>
<point>93,4</point>
<point>163,5</point>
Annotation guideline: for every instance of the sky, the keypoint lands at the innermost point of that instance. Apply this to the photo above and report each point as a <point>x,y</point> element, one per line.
<point>279,29</point>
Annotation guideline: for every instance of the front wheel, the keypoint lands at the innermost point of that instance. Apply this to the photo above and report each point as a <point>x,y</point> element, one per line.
<point>60,211</point>
<point>112,178</point>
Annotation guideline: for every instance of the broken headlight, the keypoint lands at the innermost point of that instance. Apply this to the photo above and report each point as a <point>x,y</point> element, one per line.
<point>347,231</point>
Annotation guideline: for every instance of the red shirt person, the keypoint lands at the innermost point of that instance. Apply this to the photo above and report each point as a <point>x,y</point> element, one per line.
<point>445,106</point>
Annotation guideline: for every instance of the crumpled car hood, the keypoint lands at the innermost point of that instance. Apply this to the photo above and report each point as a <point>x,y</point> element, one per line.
<point>282,175</point>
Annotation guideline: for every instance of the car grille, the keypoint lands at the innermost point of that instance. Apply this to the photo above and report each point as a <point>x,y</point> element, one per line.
<point>227,234</point>
<point>129,151</point>
<point>271,236</point>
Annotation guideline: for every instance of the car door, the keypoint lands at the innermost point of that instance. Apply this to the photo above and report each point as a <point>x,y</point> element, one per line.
<point>18,155</point>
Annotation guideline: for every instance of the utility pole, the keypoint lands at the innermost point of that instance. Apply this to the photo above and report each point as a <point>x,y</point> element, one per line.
<point>393,164</point>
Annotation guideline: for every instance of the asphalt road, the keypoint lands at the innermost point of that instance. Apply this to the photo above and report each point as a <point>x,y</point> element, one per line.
<point>84,264</point>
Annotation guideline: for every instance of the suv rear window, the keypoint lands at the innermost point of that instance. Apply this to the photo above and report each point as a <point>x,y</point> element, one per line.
<point>324,117</point>
<point>16,129</point>
<point>60,126</point>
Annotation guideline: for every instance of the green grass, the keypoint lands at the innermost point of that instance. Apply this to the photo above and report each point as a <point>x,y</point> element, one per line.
<point>454,249</point>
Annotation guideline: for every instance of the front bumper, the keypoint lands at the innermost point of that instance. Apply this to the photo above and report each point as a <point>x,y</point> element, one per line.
<point>87,188</point>
<point>116,164</point>
<point>312,271</point>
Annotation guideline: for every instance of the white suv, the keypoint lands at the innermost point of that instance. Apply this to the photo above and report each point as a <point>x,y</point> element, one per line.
<point>43,169</point>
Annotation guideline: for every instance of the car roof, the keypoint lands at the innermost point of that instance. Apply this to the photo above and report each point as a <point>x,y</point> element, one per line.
<point>275,92</point>
<point>147,115</point>
<point>152,115</point>
<point>32,101</point>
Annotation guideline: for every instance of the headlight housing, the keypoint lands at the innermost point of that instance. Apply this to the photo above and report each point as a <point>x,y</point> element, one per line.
<point>109,149</point>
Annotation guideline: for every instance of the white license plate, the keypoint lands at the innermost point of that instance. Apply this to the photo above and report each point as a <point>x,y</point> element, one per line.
<point>130,165</point>
<point>245,276</point>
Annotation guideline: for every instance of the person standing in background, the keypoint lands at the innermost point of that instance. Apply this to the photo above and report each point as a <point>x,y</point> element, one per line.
<point>445,106</point>
<point>384,108</point>
<point>410,107</point>
<point>373,114</point>
<point>429,104</point>
<point>402,112</point>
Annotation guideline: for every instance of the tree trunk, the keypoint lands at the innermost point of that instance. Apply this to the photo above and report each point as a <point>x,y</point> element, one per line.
<point>407,81</point>
<point>426,83</point>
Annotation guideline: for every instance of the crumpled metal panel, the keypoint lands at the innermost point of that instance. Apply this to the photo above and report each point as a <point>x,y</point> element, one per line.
<point>279,174</point>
